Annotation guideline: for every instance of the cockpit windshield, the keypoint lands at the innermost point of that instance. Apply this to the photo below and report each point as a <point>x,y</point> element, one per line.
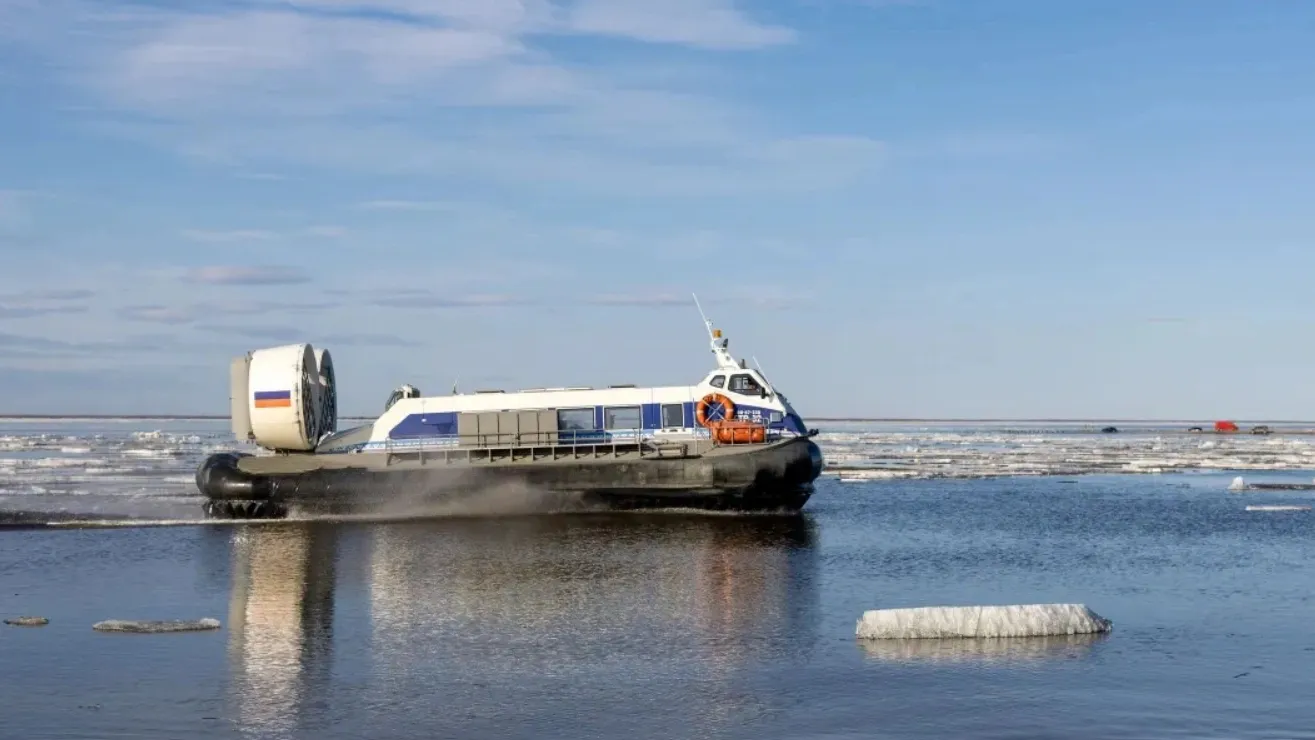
<point>746,384</point>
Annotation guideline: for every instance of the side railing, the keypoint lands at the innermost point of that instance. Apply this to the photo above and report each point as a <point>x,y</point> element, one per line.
<point>561,443</point>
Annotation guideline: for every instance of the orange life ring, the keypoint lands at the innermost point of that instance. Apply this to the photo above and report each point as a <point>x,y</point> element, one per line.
<point>701,409</point>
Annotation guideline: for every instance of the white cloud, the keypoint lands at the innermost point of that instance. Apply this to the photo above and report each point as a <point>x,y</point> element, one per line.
<point>503,15</point>
<point>710,24</point>
<point>283,61</point>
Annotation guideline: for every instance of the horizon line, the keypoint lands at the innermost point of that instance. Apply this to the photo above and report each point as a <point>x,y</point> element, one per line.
<point>887,419</point>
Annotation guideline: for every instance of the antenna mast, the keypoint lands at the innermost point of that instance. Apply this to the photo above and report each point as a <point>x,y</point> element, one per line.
<point>719,343</point>
<point>706,321</point>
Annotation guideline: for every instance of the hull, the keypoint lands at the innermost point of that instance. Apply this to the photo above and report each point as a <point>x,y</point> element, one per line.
<point>752,477</point>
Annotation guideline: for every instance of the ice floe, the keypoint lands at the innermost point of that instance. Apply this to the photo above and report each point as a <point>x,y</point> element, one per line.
<point>1020,620</point>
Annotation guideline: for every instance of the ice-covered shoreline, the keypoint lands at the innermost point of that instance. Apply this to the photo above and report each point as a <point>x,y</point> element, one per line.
<point>871,452</point>
<point>113,461</point>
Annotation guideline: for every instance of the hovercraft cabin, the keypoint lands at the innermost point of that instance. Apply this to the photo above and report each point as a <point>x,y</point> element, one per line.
<point>570,416</point>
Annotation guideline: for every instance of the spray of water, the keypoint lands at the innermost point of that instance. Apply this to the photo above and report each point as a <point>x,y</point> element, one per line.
<point>477,496</point>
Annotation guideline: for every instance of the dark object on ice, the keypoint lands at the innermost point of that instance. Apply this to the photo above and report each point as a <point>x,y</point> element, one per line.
<point>181,625</point>
<point>1195,429</point>
<point>28,621</point>
<point>1261,429</point>
<point>1109,430</point>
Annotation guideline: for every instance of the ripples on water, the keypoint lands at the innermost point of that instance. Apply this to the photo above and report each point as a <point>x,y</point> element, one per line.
<point>663,625</point>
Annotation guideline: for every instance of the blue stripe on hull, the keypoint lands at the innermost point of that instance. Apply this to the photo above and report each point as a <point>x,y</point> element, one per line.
<point>440,424</point>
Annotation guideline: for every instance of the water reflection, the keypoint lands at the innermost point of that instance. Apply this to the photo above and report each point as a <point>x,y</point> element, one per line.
<point>513,620</point>
<point>280,621</point>
<point>503,617</point>
<point>722,583</point>
<point>983,650</point>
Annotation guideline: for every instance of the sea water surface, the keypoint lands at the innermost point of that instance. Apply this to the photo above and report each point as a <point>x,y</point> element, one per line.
<point>672,624</point>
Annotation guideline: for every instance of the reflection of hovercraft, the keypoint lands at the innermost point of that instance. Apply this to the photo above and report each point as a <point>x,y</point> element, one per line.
<point>622,446</point>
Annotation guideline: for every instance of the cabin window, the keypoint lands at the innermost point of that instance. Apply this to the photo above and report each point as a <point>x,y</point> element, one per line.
<point>717,381</point>
<point>745,384</point>
<point>622,417</point>
<point>673,415</point>
<point>574,420</point>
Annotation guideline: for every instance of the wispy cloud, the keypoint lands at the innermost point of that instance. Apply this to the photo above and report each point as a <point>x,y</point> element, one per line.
<point>158,314</point>
<point>28,312</point>
<point>23,342</point>
<point>273,333</point>
<point>500,15</point>
<point>869,3</point>
<point>34,303</point>
<point>367,339</point>
<point>405,205</point>
<point>327,232</point>
<point>246,275</point>
<point>298,334</point>
<point>709,24</point>
<point>418,299</point>
<point>190,313</point>
<point>763,299</point>
<point>235,236</point>
<point>393,86</point>
<point>13,344</point>
<point>652,300</point>
<point>44,295</point>
<point>225,237</point>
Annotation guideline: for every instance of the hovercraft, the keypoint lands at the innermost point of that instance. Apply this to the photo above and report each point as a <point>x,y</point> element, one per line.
<point>730,442</point>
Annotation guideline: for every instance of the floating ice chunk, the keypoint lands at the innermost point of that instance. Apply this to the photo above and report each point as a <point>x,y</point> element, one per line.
<point>1278,507</point>
<point>121,625</point>
<point>1024,620</point>
<point>28,621</point>
<point>1238,484</point>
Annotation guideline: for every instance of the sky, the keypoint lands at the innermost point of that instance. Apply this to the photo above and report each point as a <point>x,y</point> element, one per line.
<point>900,208</point>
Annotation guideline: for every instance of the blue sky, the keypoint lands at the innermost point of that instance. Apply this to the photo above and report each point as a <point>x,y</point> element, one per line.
<point>939,208</point>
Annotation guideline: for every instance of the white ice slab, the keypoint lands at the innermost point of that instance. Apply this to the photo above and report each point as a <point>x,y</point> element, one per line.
<point>123,625</point>
<point>1023,620</point>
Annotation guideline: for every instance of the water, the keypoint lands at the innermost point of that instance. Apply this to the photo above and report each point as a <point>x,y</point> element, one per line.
<point>661,625</point>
